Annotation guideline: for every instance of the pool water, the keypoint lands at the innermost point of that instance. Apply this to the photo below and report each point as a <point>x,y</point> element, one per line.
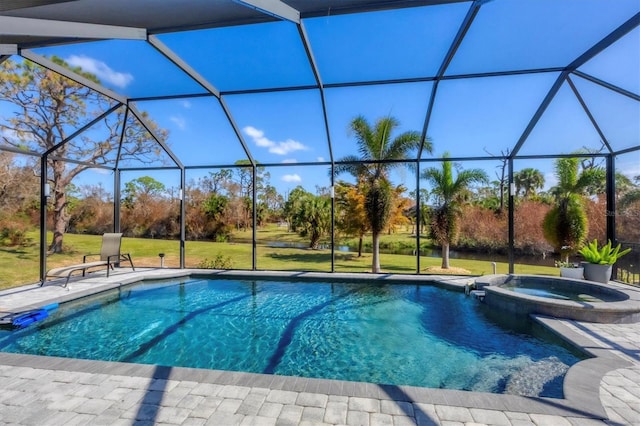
<point>380,333</point>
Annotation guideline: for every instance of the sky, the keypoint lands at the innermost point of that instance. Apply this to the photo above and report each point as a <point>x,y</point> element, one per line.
<point>472,117</point>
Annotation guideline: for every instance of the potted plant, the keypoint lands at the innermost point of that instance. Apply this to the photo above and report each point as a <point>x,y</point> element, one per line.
<point>598,263</point>
<point>570,270</point>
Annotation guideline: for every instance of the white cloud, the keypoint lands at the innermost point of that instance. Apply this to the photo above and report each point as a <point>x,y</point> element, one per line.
<point>279,148</point>
<point>290,160</point>
<point>253,132</point>
<point>283,148</point>
<point>101,70</point>
<point>179,121</point>
<point>292,178</point>
<point>186,104</point>
<point>320,159</point>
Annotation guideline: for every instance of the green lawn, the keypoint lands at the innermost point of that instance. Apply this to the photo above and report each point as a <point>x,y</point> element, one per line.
<point>21,265</point>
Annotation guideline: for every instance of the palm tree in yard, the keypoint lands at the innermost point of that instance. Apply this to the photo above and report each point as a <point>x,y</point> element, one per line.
<point>528,181</point>
<point>314,218</point>
<point>378,150</point>
<point>566,225</point>
<point>450,192</point>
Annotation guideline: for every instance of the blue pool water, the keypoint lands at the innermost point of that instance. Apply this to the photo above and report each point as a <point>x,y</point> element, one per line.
<point>392,334</point>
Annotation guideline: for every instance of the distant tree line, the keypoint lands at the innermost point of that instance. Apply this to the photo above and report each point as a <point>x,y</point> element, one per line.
<point>459,209</point>
<point>219,204</point>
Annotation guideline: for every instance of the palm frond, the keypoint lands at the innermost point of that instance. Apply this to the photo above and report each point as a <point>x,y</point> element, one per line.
<point>435,177</point>
<point>351,164</point>
<point>567,173</point>
<point>384,127</point>
<point>591,181</point>
<point>428,145</point>
<point>361,128</point>
<point>403,145</point>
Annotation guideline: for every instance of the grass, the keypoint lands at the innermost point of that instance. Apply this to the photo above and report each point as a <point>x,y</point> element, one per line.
<point>20,265</point>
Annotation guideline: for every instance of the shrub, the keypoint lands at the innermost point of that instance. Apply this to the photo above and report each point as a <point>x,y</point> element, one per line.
<point>13,233</point>
<point>220,262</point>
<point>221,238</point>
<point>529,238</point>
<point>596,210</point>
<point>482,229</point>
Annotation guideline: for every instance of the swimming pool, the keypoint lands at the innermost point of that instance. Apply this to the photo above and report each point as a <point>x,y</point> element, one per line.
<point>379,333</point>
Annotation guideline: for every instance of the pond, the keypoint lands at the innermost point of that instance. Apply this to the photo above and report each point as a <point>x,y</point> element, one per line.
<point>430,252</point>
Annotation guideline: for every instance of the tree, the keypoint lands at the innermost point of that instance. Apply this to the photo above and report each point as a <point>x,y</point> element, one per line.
<point>501,183</point>
<point>401,205</point>
<point>214,208</point>
<point>424,211</point>
<point>240,189</point>
<point>47,108</point>
<point>91,209</point>
<point>528,181</point>
<point>207,212</point>
<point>216,182</point>
<point>313,218</point>
<point>269,204</point>
<point>19,200</point>
<point>377,148</point>
<point>18,187</point>
<point>148,211</point>
<point>351,216</point>
<point>141,189</point>
<point>565,226</point>
<point>292,205</point>
<point>450,194</point>
<point>628,208</point>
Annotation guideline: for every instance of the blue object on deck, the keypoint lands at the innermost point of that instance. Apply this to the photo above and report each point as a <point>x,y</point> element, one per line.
<point>29,318</point>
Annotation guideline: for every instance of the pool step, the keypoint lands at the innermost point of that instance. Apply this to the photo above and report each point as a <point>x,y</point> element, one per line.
<point>478,294</point>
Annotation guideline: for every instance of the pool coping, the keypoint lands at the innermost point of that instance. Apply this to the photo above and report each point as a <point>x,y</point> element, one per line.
<point>581,384</point>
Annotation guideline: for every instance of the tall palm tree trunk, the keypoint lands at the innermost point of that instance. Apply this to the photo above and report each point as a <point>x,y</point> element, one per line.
<point>445,255</point>
<point>375,262</point>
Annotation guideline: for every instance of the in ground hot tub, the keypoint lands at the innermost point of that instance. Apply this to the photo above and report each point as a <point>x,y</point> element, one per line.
<point>561,297</point>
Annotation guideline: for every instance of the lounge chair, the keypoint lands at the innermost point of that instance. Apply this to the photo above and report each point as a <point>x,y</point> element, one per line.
<point>109,256</point>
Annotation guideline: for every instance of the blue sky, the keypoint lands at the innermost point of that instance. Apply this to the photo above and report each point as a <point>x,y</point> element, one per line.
<point>471,117</point>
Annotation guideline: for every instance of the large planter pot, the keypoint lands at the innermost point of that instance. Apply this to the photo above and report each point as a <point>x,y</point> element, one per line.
<point>597,273</point>
<point>575,273</point>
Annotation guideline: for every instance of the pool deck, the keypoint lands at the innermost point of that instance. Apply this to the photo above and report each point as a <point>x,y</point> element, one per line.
<point>37,390</point>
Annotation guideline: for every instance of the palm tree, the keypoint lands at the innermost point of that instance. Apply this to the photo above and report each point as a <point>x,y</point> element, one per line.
<point>377,154</point>
<point>314,218</point>
<point>565,225</point>
<point>528,181</point>
<point>450,194</point>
